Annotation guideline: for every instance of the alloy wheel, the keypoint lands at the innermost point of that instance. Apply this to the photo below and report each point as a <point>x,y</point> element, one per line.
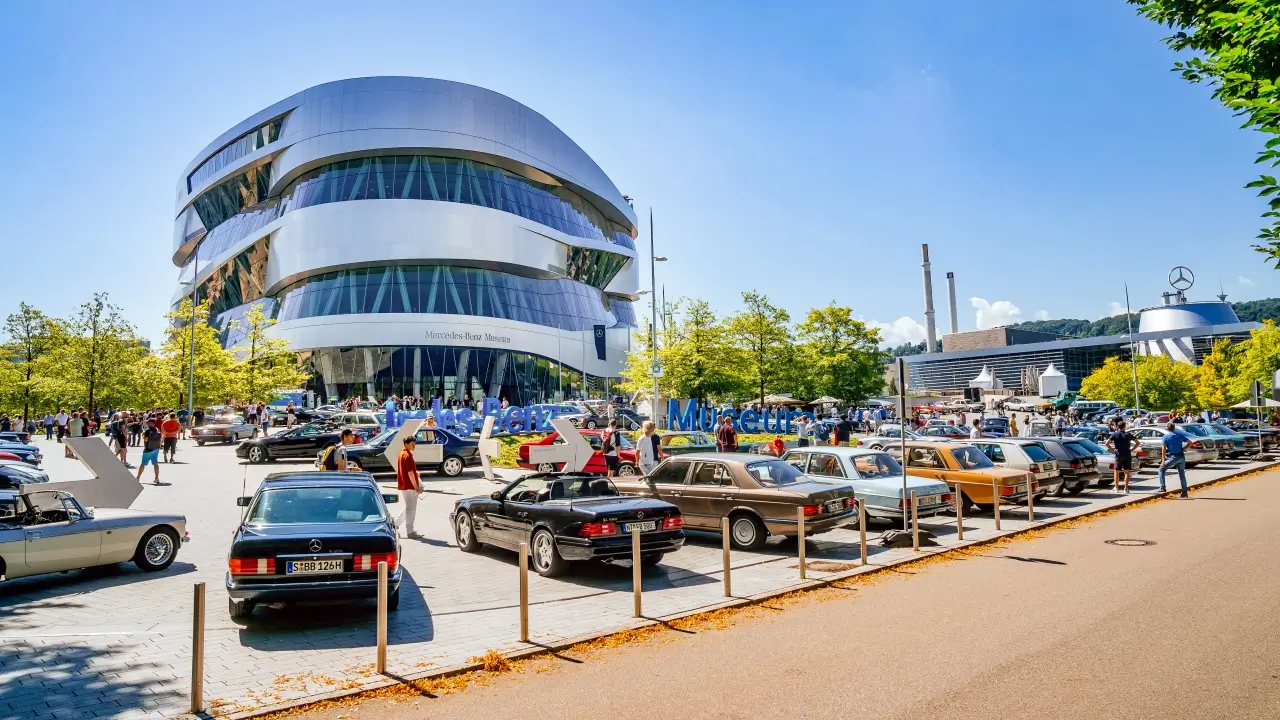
<point>542,550</point>
<point>158,549</point>
<point>464,528</point>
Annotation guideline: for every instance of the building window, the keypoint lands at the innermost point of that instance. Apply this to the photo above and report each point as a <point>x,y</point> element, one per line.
<point>229,197</point>
<point>251,141</point>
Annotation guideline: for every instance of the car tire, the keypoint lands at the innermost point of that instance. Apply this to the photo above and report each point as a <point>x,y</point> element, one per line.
<point>627,470</point>
<point>239,609</point>
<point>747,532</point>
<point>359,466</point>
<point>651,559</point>
<point>257,455</point>
<point>200,443</point>
<point>464,531</point>
<point>546,467</point>
<point>591,425</point>
<point>452,466</point>
<point>1074,490</point>
<point>546,558</point>
<point>393,600</point>
<point>985,507</point>
<point>157,549</point>
<point>254,436</point>
<point>1062,490</point>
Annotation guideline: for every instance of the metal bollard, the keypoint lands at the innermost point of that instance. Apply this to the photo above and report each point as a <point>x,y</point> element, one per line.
<point>725,541</point>
<point>915,523</point>
<point>959,514</point>
<point>862,530</point>
<point>524,592</point>
<point>800,538</point>
<point>382,618</point>
<point>995,501</point>
<point>197,651</point>
<point>1031,502</point>
<point>635,570</point>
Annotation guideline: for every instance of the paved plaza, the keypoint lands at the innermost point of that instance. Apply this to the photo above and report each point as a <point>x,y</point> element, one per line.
<point>115,642</point>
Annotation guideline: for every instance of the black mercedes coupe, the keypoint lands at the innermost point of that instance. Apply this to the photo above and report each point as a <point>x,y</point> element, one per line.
<point>568,517</point>
<point>311,537</point>
<point>301,442</point>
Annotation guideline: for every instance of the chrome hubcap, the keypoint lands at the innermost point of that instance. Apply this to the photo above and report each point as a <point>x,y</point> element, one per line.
<point>542,550</point>
<point>626,470</point>
<point>255,454</point>
<point>452,466</point>
<point>546,467</point>
<point>464,529</point>
<point>744,531</point>
<point>158,549</point>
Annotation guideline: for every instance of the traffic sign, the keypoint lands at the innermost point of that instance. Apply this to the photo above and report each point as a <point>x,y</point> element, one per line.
<point>656,370</point>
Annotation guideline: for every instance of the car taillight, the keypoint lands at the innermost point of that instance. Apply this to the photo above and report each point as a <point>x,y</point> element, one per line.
<point>524,452</point>
<point>947,497</point>
<point>1196,444</point>
<point>1007,490</point>
<point>1035,467</point>
<point>366,563</point>
<point>673,522</point>
<point>1075,464</point>
<point>851,502</point>
<point>597,529</point>
<point>811,510</point>
<point>251,566</point>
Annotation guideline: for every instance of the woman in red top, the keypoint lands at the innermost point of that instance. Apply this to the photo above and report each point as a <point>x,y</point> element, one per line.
<point>408,484</point>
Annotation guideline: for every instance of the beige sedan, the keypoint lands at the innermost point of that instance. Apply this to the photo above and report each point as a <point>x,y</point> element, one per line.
<point>758,494</point>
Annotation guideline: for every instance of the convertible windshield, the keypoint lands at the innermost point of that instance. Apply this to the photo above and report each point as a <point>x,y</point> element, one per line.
<point>877,465</point>
<point>971,458</point>
<point>296,506</point>
<point>774,472</point>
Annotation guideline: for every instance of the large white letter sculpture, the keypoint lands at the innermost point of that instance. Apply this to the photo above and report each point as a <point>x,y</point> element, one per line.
<point>489,448</point>
<point>112,485</point>
<point>573,453</point>
<point>423,453</point>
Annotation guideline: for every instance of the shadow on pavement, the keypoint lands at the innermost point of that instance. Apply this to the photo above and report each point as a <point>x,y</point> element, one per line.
<point>40,587</point>
<point>32,669</point>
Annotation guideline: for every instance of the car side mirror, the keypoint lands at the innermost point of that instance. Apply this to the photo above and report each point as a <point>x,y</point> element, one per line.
<point>496,495</point>
<point>390,499</point>
<point>243,501</point>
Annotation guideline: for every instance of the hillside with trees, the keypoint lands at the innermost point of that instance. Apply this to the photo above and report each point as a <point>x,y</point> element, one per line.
<point>1248,311</point>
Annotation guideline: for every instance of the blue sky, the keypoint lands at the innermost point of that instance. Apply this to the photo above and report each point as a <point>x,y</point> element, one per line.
<point>1043,150</point>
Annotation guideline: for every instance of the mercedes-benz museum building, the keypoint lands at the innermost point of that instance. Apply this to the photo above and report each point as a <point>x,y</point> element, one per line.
<point>414,236</point>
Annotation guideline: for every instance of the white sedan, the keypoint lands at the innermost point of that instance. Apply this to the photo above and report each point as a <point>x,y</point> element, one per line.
<point>43,531</point>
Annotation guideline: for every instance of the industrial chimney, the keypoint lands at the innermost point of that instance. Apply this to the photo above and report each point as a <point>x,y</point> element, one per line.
<point>951,297</point>
<point>931,331</point>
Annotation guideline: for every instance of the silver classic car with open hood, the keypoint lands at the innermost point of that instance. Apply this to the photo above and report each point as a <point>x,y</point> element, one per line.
<point>44,531</point>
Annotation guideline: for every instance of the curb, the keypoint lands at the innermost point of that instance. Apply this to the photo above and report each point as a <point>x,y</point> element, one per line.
<point>864,570</point>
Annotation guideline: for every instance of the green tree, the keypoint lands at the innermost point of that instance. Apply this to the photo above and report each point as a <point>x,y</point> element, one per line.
<point>1259,359</point>
<point>1235,49</point>
<point>93,366</point>
<point>763,333</point>
<point>1164,384</point>
<point>214,364</point>
<point>1218,376</point>
<point>30,337</point>
<point>265,363</point>
<point>840,356</point>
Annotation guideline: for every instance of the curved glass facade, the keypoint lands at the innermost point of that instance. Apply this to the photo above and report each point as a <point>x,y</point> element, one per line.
<point>241,280</point>
<point>428,177</point>
<point>251,141</point>
<point>448,372</point>
<point>558,303</point>
<point>226,199</point>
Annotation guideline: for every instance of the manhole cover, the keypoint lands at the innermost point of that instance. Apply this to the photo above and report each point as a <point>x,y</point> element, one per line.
<point>827,566</point>
<point>1131,542</point>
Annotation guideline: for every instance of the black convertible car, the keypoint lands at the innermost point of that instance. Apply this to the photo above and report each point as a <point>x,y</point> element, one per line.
<point>302,442</point>
<point>566,517</point>
<point>312,536</point>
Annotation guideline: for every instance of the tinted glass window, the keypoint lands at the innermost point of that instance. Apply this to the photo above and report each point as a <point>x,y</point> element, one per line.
<point>774,472</point>
<point>1091,446</point>
<point>1076,450</point>
<point>1195,430</point>
<point>671,472</point>
<point>289,506</point>
<point>1036,452</point>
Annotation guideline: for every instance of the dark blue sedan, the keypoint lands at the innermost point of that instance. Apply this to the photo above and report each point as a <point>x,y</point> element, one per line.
<point>29,454</point>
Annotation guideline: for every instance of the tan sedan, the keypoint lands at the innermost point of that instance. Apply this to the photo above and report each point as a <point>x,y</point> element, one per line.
<point>758,494</point>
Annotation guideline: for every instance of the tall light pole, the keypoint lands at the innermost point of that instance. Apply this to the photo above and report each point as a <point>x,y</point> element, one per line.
<point>1133,351</point>
<point>191,368</point>
<point>653,315</point>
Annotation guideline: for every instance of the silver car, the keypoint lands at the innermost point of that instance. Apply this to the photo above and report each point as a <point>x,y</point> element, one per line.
<point>1023,454</point>
<point>876,479</point>
<point>1152,438</point>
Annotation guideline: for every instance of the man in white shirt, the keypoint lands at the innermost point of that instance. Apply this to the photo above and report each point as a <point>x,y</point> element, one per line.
<point>802,431</point>
<point>649,451</point>
<point>976,433</point>
<point>61,419</point>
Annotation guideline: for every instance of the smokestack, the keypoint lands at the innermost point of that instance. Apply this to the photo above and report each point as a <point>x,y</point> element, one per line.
<point>931,331</point>
<point>951,297</point>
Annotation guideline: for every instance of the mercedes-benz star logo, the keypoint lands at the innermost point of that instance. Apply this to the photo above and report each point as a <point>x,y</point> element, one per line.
<point>640,515</point>
<point>1181,278</point>
<point>315,546</point>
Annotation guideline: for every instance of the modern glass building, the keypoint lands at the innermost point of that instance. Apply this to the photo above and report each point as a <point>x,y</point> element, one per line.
<point>414,236</point>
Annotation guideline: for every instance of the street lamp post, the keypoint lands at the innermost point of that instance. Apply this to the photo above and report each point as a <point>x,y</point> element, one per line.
<point>653,315</point>
<point>1133,352</point>
<point>191,367</point>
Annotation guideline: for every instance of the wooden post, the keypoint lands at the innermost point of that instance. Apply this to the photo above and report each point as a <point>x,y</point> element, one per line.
<point>725,541</point>
<point>959,513</point>
<point>635,570</point>
<point>915,523</point>
<point>382,618</point>
<point>524,592</point>
<point>1031,501</point>
<point>800,538</point>
<point>995,501</point>
<point>862,530</point>
<point>197,651</point>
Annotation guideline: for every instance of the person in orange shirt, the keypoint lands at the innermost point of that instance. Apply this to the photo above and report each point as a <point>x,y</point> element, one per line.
<point>169,430</point>
<point>408,484</point>
<point>777,447</point>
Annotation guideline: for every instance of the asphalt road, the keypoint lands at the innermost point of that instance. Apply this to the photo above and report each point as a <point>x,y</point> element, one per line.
<point>1061,626</point>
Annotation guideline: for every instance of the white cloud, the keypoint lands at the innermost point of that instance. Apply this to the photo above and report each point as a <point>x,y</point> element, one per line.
<point>1245,281</point>
<point>1042,315</point>
<point>903,330</point>
<point>1114,309</point>
<point>995,314</point>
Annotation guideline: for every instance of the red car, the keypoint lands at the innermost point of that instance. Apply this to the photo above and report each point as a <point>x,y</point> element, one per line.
<point>940,432</point>
<point>595,438</point>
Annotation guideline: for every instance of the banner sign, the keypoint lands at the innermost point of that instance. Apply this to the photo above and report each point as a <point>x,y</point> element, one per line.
<point>599,333</point>
<point>708,419</point>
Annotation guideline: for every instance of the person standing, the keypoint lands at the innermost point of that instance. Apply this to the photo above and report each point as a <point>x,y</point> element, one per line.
<point>183,422</point>
<point>169,430</point>
<point>1120,442</point>
<point>975,432</point>
<point>802,431</point>
<point>61,419</point>
<point>290,414</point>
<point>650,451</point>
<point>844,431</point>
<point>75,424</point>
<point>409,484</point>
<point>1013,425</point>
<point>609,448</point>
<point>48,426</point>
<point>726,436</point>
<point>1060,424</point>
<point>1173,455</point>
<point>116,436</point>
<point>150,451</point>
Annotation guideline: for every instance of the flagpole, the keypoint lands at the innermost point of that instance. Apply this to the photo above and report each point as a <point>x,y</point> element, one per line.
<point>1133,351</point>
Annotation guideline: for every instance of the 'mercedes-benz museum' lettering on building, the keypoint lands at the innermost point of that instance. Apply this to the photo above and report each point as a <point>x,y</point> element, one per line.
<point>414,236</point>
